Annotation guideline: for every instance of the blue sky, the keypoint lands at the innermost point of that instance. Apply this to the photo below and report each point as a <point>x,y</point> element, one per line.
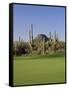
<point>45,19</point>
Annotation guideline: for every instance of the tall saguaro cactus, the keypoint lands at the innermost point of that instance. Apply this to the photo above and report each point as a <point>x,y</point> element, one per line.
<point>31,34</point>
<point>43,44</point>
<point>50,35</point>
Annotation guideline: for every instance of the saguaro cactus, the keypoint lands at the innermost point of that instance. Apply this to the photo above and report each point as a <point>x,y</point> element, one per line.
<point>31,34</point>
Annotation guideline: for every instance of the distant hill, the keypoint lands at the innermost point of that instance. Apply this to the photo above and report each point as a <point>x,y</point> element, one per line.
<point>41,37</point>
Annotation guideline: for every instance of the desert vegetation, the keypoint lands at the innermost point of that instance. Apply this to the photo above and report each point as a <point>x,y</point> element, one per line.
<point>39,45</point>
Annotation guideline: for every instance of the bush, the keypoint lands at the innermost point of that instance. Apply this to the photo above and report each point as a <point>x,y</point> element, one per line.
<point>20,48</point>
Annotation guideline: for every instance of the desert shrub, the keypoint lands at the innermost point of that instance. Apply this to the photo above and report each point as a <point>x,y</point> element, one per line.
<point>27,48</point>
<point>22,48</point>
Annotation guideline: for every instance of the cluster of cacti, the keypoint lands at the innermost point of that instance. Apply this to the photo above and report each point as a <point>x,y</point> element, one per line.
<point>21,47</point>
<point>39,45</point>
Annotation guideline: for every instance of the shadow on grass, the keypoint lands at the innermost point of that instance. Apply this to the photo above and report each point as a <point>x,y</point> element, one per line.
<point>36,56</point>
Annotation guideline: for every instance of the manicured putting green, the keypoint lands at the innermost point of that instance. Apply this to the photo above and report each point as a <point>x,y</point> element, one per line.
<point>39,69</point>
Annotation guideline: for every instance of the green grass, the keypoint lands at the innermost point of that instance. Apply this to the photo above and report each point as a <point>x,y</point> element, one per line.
<point>39,69</point>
